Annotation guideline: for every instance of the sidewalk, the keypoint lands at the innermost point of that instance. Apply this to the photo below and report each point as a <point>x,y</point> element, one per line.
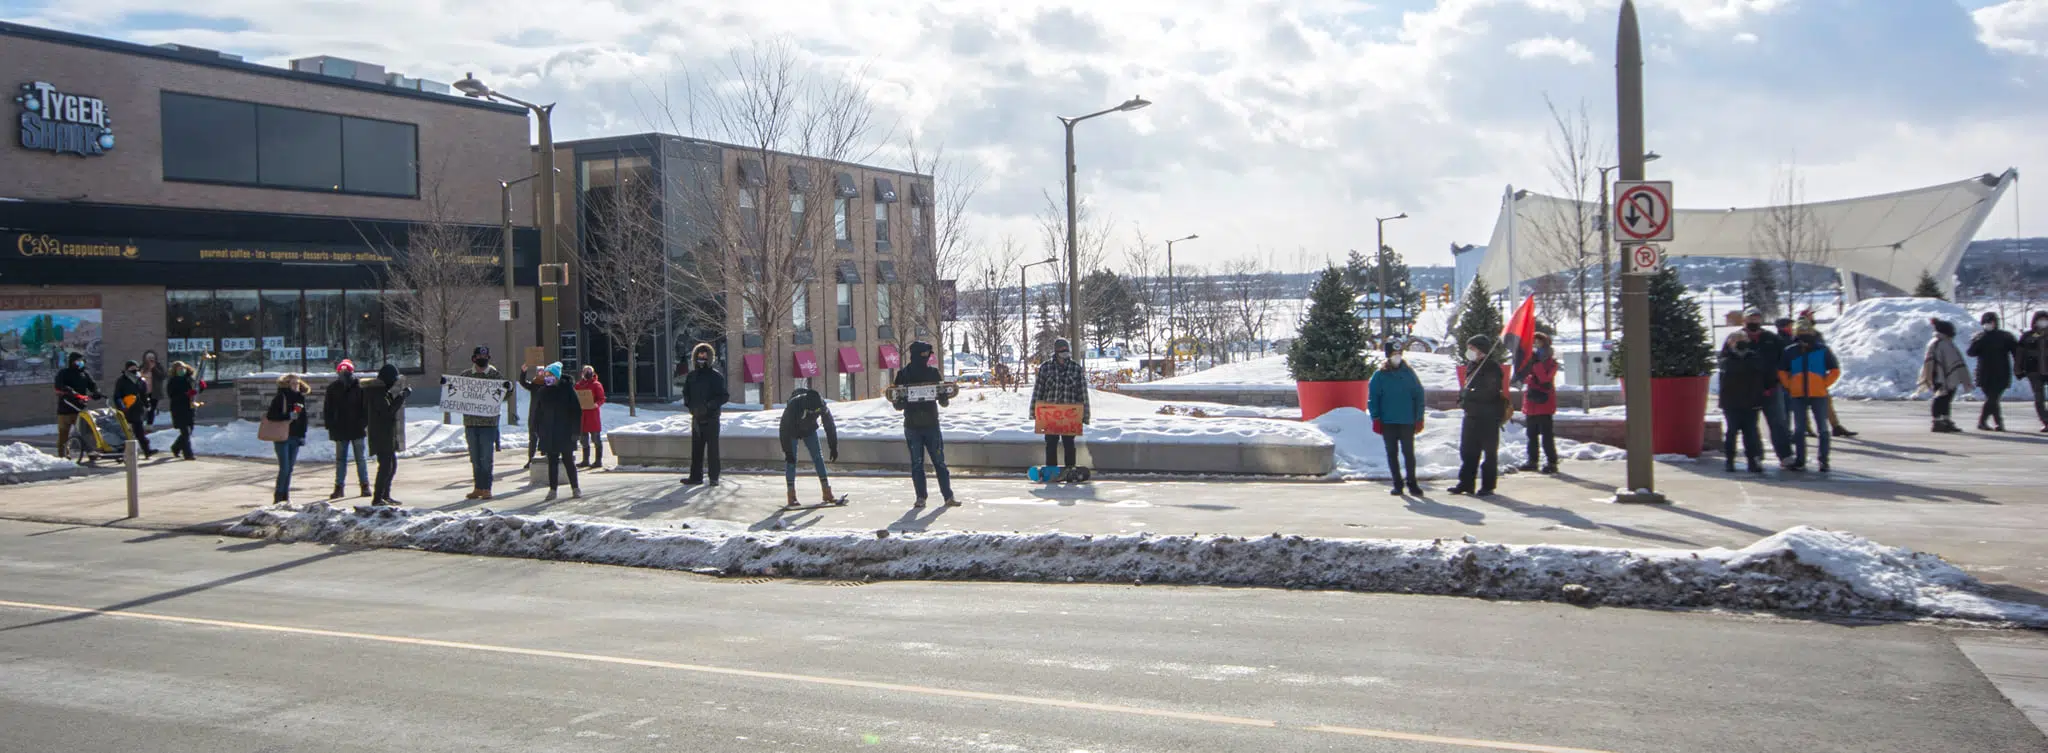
<point>1972,498</point>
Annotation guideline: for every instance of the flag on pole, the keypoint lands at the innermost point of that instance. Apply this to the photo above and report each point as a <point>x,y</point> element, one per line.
<point>1520,332</point>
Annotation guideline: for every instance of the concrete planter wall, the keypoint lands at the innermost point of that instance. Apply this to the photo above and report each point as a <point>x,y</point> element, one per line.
<point>1276,456</point>
<point>1287,397</point>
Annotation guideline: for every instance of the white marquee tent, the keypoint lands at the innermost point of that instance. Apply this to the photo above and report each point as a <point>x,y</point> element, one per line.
<point>1891,237</point>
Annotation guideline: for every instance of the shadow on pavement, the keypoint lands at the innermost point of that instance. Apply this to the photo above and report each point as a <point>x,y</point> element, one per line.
<point>1435,509</point>
<point>331,553</point>
<point>1846,481</point>
<point>1737,525</point>
<point>1571,519</point>
<point>911,521</point>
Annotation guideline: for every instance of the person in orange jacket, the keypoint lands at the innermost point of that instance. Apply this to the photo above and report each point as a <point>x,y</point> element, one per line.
<point>1807,369</point>
<point>593,419</point>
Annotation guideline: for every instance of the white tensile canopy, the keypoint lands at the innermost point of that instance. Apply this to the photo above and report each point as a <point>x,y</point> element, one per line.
<point>1890,237</point>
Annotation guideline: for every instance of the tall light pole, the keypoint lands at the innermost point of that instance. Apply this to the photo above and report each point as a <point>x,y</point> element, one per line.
<point>550,305</point>
<point>1169,292</point>
<point>1073,256</point>
<point>1024,308</point>
<point>1380,258</point>
<point>1635,288</point>
<point>505,231</point>
<point>1606,247</point>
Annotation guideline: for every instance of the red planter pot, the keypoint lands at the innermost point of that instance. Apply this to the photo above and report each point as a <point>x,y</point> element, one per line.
<point>1679,405</point>
<point>1318,398</point>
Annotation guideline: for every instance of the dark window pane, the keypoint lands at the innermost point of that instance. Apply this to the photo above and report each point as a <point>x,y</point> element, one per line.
<point>240,353</point>
<point>283,348</point>
<point>298,149</point>
<point>379,157</point>
<point>208,139</point>
<point>326,329</point>
<point>366,329</point>
<point>401,348</point>
<point>187,324</point>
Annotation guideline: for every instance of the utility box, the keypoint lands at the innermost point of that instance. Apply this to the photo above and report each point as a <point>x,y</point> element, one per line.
<point>1595,368</point>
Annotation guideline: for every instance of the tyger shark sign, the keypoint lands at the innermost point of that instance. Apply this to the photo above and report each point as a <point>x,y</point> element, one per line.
<point>63,123</point>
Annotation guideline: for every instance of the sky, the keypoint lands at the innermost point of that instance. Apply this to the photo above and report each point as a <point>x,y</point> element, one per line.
<point>1279,130</point>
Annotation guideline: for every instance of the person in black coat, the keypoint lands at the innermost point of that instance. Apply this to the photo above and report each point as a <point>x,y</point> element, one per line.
<point>1485,400</point>
<point>704,395</point>
<point>2032,361</point>
<point>289,404</point>
<point>183,388</point>
<point>74,388</point>
<point>131,396</point>
<point>1995,350</point>
<point>384,405</point>
<point>347,420</point>
<point>1746,381</point>
<point>556,425</point>
<point>800,419</point>
<point>921,424</point>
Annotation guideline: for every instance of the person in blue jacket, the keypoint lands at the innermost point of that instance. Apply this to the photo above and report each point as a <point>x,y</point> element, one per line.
<point>1394,398</point>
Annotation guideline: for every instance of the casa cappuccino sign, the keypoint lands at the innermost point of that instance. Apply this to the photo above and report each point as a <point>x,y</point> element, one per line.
<point>63,123</point>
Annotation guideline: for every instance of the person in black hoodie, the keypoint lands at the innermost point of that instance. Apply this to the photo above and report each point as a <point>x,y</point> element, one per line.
<point>75,387</point>
<point>921,423</point>
<point>557,424</point>
<point>289,404</point>
<point>2032,363</point>
<point>182,388</point>
<point>1746,377</point>
<point>384,405</point>
<point>347,420</point>
<point>131,395</point>
<point>1485,400</point>
<point>1995,350</point>
<point>704,395</point>
<point>800,418</point>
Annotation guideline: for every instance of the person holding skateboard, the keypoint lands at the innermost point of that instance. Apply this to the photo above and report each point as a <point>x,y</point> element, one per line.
<point>800,419</point>
<point>921,420</point>
<point>1061,381</point>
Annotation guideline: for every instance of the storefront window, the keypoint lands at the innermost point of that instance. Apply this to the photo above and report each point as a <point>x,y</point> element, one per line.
<point>845,386</point>
<point>751,393</point>
<point>284,348</point>
<point>226,334</point>
<point>239,336</point>
<point>326,329</point>
<point>366,328</point>
<point>190,316</point>
<point>401,348</point>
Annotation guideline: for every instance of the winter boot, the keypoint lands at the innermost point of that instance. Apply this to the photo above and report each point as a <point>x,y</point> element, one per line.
<point>1983,424</point>
<point>551,495</point>
<point>1823,466</point>
<point>829,499</point>
<point>599,463</point>
<point>1728,465</point>
<point>951,502</point>
<point>1398,489</point>
<point>337,492</point>
<point>792,496</point>
<point>1415,488</point>
<point>1549,469</point>
<point>575,491</point>
<point>365,491</point>
<point>1528,467</point>
<point>919,504</point>
<point>1845,433</point>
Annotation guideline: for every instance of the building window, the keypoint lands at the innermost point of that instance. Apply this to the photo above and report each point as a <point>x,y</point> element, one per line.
<point>916,221</point>
<point>283,345</point>
<point>228,334</point>
<point>799,383</point>
<point>212,140</point>
<point>749,323</point>
<point>751,394</point>
<point>845,386</point>
<point>747,201</point>
<point>883,318</point>
<point>881,226</point>
<point>845,304</point>
<point>796,217</point>
<point>840,231</point>
<point>800,309</point>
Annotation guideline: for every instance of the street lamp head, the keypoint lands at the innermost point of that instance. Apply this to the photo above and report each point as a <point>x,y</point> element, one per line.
<point>471,87</point>
<point>1652,157</point>
<point>1135,103</point>
<point>1401,216</point>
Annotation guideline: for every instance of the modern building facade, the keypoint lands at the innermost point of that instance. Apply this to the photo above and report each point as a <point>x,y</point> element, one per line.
<point>866,289</point>
<point>240,217</point>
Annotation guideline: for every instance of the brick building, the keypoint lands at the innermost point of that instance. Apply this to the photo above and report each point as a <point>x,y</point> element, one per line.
<point>240,217</point>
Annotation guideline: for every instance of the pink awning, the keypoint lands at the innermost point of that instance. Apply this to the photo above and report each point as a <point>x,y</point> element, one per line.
<point>753,368</point>
<point>849,361</point>
<point>890,358</point>
<point>806,364</point>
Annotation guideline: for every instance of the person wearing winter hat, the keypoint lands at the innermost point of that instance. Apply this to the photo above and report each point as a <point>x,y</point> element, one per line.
<point>2032,360</point>
<point>1746,377</point>
<point>288,405</point>
<point>1995,350</point>
<point>704,396</point>
<point>1485,400</point>
<point>1944,373</point>
<point>347,419</point>
<point>74,387</point>
<point>1394,399</point>
<point>1807,369</point>
<point>1061,381</point>
<point>590,432</point>
<point>384,402</point>
<point>131,396</point>
<point>1538,377</point>
<point>184,386</point>
<point>556,424</point>
<point>921,424</point>
<point>480,433</point>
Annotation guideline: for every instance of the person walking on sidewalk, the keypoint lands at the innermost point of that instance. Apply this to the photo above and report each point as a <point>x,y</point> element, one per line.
<point>1747,377</point>
<point>75,387</point>
<point>1944,372</point>
<point>1995,349</point>
<point>591,417</point>
<point>184,389</point>
<point>704,396</point>
<point>1539,403</point>
<point>153,370</point>
<point>1394,399</point>
<point>1807,369</point>
<point>347,420</point>
<point>1485,400</point>
<point>131,395</point>
<point>921,424</point>
<point>384,403</point>
<point>560,421</point>
<point>800,419</point>
<point>289,404</point>
<point>1061,381</point>
<point>2032,358</point>
<point>480,433</point>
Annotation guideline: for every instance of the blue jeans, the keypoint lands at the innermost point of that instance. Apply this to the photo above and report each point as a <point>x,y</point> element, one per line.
<point>789,458</point>
<point>483,448</point>
<point>362,448</point>
<point>923,440</point>
<point>1801,408</point>
<point>1775,417</point>
<point>287,456</point>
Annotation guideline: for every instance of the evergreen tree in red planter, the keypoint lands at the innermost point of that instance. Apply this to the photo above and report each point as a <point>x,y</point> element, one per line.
<point>1329,357</point>
<point>1681,363</point>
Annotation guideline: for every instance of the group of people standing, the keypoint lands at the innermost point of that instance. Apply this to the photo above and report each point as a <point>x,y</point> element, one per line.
<point>1395,400</point>
<point>2001,356</point>
<point>142,389</point>
<point>1783,376</point>
<point>363,416</point>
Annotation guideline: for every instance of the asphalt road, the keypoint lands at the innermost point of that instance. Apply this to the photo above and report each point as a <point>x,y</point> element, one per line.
<point>227,645</point>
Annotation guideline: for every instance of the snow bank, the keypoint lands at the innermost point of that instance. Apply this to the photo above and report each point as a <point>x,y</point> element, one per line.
<point>1801,569</point>
<point>424,435</point>
<point>1438,372</point>
<point>21,462</point>
<point>1882,341</point>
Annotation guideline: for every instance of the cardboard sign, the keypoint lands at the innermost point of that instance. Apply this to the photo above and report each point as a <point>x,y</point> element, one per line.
<point>922,393</point>
<point>471,396</point>
<point>536,355</point>
<point>1059,419</point>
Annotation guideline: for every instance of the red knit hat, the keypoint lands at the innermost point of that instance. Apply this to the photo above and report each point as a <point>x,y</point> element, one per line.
<point>346,365</point>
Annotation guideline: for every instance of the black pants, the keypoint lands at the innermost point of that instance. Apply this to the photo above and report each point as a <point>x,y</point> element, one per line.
<point>1993,412</point>
<point>1542,435</point>
<point>703,447</point>
<point>1942,400</point>
<point>1479,448</point>
<point>561,459</point>
<point>1742,423</point>
<point>387,470</point>
<point>183,446</point>
<point>591,439</point>
<point>1052,444</point>
<point>1400,441</point>
<point>138,427</point>
<point>2040,384</point>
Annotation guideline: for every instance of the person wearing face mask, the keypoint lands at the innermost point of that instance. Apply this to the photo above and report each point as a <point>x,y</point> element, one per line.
<point>1769,343</point>
<point>480,433</point>
<point>704,395</point>
<point>1806,370</point>
<point>1538,378</point>
<point>560,421</point>
<point>2032,359</point>
<point>384,401</point>
<point>74,387</point>
<point>131,396</point>
<point>153,372</point>
<point>183,388</point>
<point>592,416</point>
<point>1485,400</point>
<point>1994,349</point>
<point>1745,377</point>
<point>348,424</point>
<point>1944,373</point>
<point>1061,382</point>
<point>1394,399</point>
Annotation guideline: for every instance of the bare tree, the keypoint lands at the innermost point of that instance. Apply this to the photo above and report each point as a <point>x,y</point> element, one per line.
<point>1250,289</point>
<point>936,254</point>
<point>1792,237</point>
<point>1091,241</point>
<point>438,278</point>
<point>624,274</point>
<point>1143,269</point>
<point>990,318</point>
<point>1569,232</point>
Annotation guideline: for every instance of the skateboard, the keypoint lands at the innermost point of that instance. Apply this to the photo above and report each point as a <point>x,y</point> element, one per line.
<point>921,393</point>
<point>840,502</point>
<point>1047,474</point>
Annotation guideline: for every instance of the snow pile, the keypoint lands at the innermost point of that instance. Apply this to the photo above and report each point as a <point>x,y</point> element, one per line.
<point>424,435</point>
<point>1270,374</point>
<point>1801,569</point>
<point>20,462</point>
<point>1881,343</point>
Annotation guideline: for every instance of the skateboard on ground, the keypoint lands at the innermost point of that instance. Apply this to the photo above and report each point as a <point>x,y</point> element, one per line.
<point>840,502</point>
<point>1047,474</point>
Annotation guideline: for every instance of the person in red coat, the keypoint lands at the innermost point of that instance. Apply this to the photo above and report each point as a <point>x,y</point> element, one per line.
<point>1538,378</point>
<point>593,418</point>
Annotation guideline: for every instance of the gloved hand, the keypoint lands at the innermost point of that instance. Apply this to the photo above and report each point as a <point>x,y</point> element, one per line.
<point>835,455</point>
<point>1376,427</point>
<point>1418,424</point>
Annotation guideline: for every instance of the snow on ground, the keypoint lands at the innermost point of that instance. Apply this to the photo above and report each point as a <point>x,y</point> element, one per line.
<point>424,435</point>
<point>1881,343</point>
<point>1437,372</point>
<point>1362,454</point>
<point>19,459</point>
<point>1800,569</point>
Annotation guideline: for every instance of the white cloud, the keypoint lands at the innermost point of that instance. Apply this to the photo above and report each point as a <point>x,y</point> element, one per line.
<point>1568,50</point>
<point>1745,38</point>
<point>2019,26</point>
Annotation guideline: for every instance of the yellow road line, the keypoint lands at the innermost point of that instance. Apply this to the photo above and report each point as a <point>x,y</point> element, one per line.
<point>808,679</point>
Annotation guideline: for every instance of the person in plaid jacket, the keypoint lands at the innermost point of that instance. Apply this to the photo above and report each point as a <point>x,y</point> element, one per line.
<point>1061,381</point>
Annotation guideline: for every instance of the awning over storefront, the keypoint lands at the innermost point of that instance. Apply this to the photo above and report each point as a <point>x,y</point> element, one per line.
<point>849,361</point>
<point>846,189</point>
<point>753,368</point>
<point>885,191</point>
<point>849,272</point>
<point>806,363</point>
<point>890,359</point>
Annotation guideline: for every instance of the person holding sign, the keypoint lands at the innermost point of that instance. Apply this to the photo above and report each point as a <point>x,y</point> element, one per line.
<point>481,432</point>
<point>919,394</point>
<point>1061,381</point>
<point>590,396</point>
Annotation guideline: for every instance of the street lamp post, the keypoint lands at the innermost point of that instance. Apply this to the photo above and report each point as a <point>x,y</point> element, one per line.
<point>1606,259</point>
<point>550,305</point>
<point>505,231</point>
<point>1170,334</point>
<point>1380,259</point>
<point>1073,257</point>
<point>1024,312</point>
